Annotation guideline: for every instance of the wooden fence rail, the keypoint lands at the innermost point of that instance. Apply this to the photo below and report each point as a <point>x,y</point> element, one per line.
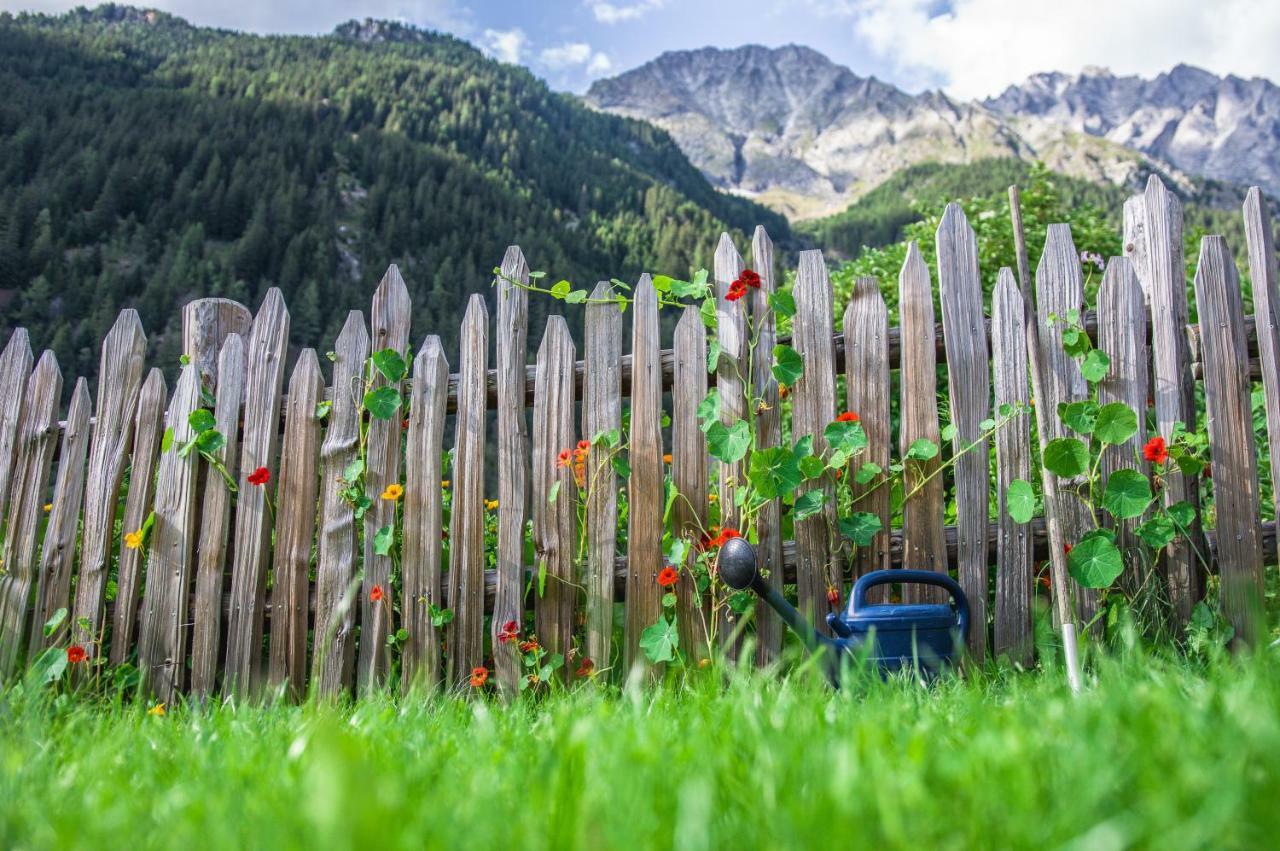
<point>252,568</point>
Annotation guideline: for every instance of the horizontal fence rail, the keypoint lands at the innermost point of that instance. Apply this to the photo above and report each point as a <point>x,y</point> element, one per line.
<point>252,529</point>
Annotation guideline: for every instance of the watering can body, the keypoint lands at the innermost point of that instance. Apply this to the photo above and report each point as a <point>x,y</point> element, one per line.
<point>925,637</point>
<point>893,636</point>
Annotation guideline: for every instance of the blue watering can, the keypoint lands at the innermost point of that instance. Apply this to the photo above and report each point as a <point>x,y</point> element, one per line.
<point>924,636</point>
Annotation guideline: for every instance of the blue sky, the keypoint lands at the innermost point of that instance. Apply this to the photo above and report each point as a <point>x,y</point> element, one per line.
<point>969,48</point>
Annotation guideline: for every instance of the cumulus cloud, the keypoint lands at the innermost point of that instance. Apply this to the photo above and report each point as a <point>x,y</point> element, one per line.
<point>505,45</point>
<point>609,13</point>
<point>576,54</point>
<point>974,48</point>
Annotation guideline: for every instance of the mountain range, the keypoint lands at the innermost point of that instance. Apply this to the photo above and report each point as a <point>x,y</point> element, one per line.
<point>806,136</point>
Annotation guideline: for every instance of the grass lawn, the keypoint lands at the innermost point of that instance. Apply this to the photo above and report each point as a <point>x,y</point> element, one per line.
<point>1152,754</point>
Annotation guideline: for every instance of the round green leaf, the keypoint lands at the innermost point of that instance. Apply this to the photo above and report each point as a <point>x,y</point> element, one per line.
<point>1080,417</point>
<point>860,528</point>
<point>382,403</point>
<point>1095,366</point>
<point>1127,495</point>
<point>1117,422</point>
<point>729,443</point>
<point>660,640</point>
<point>1095,562</point>
<point>1020,501</point>
<point>808,504</point>
<point>1066,457</point>
<point>788,365</point>
<point>201,420</point>
<point>922,450</point>
<point>390,364</point>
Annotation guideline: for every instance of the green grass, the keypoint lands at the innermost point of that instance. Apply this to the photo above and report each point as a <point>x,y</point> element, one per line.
<point>1152,754</point>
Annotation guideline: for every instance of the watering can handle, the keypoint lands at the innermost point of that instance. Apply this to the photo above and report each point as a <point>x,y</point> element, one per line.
<point>922,577</point>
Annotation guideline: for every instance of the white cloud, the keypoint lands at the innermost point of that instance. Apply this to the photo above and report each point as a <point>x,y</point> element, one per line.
<point>505,45</point>
<point>608,13</point>
<point>576,54</point>
<point>977,47</point>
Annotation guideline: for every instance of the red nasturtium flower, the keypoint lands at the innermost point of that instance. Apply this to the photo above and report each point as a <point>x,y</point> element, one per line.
<point>584,445</point>
<point>259,476</point>
<point>76,654</point>
<point>375,594</point>
<point>479,676</point>
<point>750,278</point>
<point>586,667</point>
<point>848,417</point>
<point>1156,451</point>
<point>529,646</point>
<point>562,460</point>
<point>833,595</point>
<point>510,632</point>
<point>668,576</point>
<point>736,291</point>
<point>1066,549</point>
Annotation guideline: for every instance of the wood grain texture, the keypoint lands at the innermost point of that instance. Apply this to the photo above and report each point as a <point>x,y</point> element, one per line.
<point>769,626</point>
<point>512,352</point>
<point>819,565</point>
<point>1019,240</point>
<point>336,580</point>
<point>295,528</point>
<point>1233,455</point>
<point>163,622</point>
<point>554,521</point>
<point>251,552</point>
<point>601,412</point>
<point>731,369</point>
<point>120,371</point>
<point>922,515</point>
<point>36,439</point>
<point>423,523</point>
<point>1059,290</point>
<point>1154,228</point>
<point>645,486</point>
<point>1122,335</point>
<point>390,320</point>
<point>1014,574</point>
<point>206,324</point>
<point>689,474</point>
<point>215,522</point>
<point>466,536</point>
<point>969,378</point>
<point>866,335</point>
<point>1263,275</point>
<point>148,432</point>
<point>15,368</point>
<point>58,551</point>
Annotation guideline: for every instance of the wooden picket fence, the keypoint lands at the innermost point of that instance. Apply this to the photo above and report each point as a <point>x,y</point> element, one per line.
<point>229,596</point>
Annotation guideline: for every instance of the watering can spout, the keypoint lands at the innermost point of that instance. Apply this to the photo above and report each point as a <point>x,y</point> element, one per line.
<point>738,567</point>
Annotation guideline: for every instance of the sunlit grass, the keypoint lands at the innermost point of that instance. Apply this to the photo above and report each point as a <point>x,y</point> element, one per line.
<point>1152,754</point>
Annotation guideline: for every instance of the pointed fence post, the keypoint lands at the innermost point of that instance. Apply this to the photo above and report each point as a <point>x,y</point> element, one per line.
<point>689,475</point>
<point>866,360</point>
<point>1233,454</point>
<point>768,433</point>
<point>15,367</point>
<point>601,412</point>
<point>969,378</point>
<point>1266,322</point>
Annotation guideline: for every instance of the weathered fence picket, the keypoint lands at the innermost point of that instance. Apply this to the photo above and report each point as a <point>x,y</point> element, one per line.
<point>334,653</point>
<point>645,490</point>
<point>924,545</point>
<point>264,379</point>
<point>768,433</point>
<point>163,622</point>
<point>215,521</point>
<point>513,463</point>
<point>466,536</point>
<point>1014,577</point>
<point>390,318</point>
<point>58,550</point>
<point>1155,234</point>
<point>15,367</point>
<point>295,527</point>
<point>120,371</point>
<point>423,515</point>
<point>601,413</point>
<point>969,385</point>
<point>689,471</point>
<point>1266,322</point>
<point>866,359</point>
<point>1122,335</point>
<point>1233,455</point>
<point>818,565</point>
<point>37,437</point>
<point>148,432</point>
<point>553,492</point>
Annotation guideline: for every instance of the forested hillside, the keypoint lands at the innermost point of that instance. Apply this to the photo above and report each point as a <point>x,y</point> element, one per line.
<point>144,162</point>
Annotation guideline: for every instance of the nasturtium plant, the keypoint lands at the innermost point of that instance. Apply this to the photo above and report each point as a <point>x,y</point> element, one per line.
<point>1127,495</point>
<point>808,504</point>
<point>382,403</point>
<point>1095,562</point>
<point>1020,501</point>
<point>860,527</point>
<point>1080,417</point>
<point>788,366</point>
<point>1066,457</point>
<point>660,640</point>
<point>729,443</point>
<point>1116,423</point>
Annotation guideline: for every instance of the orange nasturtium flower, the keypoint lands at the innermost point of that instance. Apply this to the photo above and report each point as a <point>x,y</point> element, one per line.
<point>133,540</point>
<point>375,594</point>
<point>847,417</point>
<point>668,576</point>
<point>479,676</point>
<point>393,492</point>
<point>76,654</point>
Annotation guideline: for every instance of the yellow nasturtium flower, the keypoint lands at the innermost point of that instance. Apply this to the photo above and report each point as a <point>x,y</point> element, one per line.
<point>491,504</point>
<point>393,492</point>
<point>158,709</point>
<point>133,540</point>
